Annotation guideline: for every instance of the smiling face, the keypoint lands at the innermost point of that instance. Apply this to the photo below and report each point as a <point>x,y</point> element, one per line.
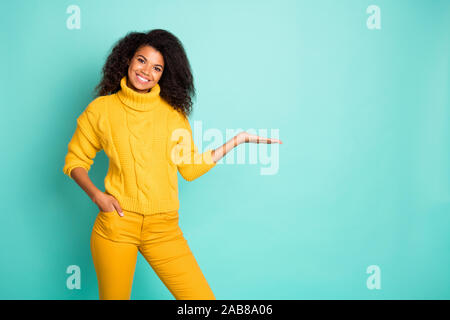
<point>145,69</point>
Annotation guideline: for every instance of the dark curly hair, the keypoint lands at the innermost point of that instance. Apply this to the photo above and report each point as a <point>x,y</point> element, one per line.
<point>176,82</point>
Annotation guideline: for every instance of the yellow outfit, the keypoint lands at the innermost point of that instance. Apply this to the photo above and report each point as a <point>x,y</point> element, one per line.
<point>115,241</point>
<point>147,141</point>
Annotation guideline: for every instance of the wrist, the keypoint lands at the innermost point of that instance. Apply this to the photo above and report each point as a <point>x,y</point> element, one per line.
<point>239,139</point>
<point>95,194</point>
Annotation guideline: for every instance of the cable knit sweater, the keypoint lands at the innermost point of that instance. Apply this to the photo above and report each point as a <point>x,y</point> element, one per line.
<point>146,141</point>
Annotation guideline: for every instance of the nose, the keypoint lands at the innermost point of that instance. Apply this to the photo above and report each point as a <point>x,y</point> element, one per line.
<point>147,70</point>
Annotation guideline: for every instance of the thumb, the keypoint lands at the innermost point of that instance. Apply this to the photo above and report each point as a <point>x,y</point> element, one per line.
<point>118,208</point>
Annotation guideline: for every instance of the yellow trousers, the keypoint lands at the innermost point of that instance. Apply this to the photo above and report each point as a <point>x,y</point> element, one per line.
<point>116,240</point>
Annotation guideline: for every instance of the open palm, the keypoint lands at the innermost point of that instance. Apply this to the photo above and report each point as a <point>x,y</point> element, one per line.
<point>247,137</point>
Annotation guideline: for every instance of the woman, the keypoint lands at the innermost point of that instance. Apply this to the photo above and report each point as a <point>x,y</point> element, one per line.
<point>139,119</point>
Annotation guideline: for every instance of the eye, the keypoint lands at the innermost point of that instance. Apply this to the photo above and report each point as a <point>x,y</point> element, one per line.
<point>140,60</point>
<point>158,69</point>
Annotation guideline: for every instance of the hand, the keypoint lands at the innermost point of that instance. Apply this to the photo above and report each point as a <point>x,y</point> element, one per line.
<point>247,137</point>
<point>107,203</point>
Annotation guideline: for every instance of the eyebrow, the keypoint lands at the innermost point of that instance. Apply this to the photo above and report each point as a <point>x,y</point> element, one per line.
<point>146,60</point>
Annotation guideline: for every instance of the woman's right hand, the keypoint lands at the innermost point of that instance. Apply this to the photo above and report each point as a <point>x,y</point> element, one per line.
<point>107,203</point>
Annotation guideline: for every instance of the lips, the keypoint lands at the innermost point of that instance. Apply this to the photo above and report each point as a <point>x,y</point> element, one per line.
<point>142,79</point>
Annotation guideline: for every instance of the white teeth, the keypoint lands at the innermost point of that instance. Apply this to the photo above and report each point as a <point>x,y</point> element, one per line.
<point>145,80</point>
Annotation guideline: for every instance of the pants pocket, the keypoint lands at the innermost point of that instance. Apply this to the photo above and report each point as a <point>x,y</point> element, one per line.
<point>171,216</point>
<point>105,224</point>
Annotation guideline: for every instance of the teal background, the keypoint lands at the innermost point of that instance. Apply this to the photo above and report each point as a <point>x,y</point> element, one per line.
<point>364,166</point>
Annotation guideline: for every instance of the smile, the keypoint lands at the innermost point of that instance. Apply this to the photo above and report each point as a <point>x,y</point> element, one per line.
<point>143,80</point>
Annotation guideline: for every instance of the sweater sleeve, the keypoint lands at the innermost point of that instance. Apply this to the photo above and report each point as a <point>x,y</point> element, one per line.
<point>192,164</point>
<point>84,144</point>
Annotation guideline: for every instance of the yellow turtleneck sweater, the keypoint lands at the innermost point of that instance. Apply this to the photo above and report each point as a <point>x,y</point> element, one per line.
<point>146,141</point>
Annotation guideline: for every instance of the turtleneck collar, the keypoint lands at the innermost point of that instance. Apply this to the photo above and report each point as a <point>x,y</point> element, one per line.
<point>138,101</point>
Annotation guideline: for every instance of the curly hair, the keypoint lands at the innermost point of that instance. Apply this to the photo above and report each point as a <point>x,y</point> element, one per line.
<point>176,82</point>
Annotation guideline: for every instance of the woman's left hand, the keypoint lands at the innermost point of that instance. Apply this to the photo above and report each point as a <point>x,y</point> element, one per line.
<point>247,137</point>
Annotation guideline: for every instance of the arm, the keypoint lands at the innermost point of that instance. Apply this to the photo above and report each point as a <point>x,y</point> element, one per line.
<point>82,149</point>
<point>104,201</point>
<point>81,177</point>
<point>242,137</point>
<point>220,152</point>
<point>190,163</point>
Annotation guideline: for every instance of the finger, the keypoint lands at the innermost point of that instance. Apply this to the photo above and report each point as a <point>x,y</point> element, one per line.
<point>263,140</point>
<point>258,139</point>
<point>275,141</point>
<point>118,208</point>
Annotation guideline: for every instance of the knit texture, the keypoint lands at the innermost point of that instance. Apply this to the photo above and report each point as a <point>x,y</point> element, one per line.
<point>146,140</point>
